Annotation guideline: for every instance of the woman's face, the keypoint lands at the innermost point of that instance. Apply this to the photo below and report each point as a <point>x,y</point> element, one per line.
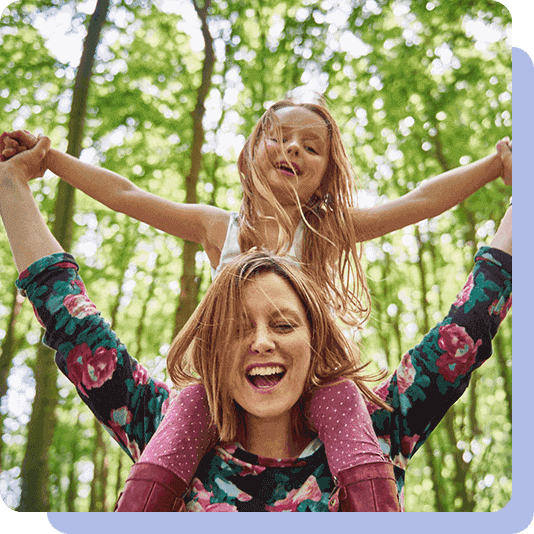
<point>305,143</point>
<point>272,350</point>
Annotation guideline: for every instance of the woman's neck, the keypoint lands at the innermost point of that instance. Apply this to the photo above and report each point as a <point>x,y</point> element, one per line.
<point>273,438</point>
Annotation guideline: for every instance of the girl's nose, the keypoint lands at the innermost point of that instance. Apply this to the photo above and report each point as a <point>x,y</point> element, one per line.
<point>261,342</point>
<point>292,148</point>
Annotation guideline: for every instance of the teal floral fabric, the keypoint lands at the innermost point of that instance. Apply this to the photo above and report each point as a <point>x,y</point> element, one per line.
<point>130,404</point>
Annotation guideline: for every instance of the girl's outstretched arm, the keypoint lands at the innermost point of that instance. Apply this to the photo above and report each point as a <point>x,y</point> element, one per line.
<point>193,222</point>
<point>29,237</point>
<point>434,196</point>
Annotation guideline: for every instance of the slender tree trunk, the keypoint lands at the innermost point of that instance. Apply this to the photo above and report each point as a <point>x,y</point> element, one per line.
<point>95,493</point>
<point>103,472</point>
<point>118,480</point>
<point>72,490</point>
<point>502,360</point>
<point>34,472</point>
<point>188,283</point>
<point>461,501</point>
<point>7,353</point>
<point>434,462</point>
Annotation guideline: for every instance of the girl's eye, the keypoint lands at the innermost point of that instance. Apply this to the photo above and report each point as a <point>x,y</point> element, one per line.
<point>311,149</point>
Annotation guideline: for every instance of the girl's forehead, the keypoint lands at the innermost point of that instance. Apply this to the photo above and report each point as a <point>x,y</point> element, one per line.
<point>302,118</point>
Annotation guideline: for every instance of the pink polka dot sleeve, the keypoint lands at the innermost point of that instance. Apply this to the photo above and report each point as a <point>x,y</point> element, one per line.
<point>184,436</point>
<point>342,421</point>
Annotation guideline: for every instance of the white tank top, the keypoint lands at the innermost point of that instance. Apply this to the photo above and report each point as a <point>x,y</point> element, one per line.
<point>231,244</point>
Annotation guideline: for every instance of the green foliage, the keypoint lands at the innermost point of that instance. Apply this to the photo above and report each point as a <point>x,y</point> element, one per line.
<point>414,94</point>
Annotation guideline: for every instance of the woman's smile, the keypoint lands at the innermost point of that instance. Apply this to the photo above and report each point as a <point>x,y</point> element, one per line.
<point>273,353</point>
<point>265,376</point>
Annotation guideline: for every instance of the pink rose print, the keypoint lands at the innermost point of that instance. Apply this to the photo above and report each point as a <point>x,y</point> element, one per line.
<point>382,391</point>
<point>79,306</point>
<point>463,296</point>
<point>75,363</point>
<point>460,351</point>
<point>221,507</point>
<point>66,265</point>
<point>405,373</point>
<point>407,445</point>
<point>118,434</point>
<point>140,376</point>
<point>309,491</point>
<point>243,497</point>
<point>201,501</point>
<point>88,370</point>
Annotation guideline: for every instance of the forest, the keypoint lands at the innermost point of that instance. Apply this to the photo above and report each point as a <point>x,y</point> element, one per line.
<point>165,92</point>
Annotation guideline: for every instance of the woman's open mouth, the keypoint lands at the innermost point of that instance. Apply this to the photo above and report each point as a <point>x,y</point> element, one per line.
<point>265,377</point>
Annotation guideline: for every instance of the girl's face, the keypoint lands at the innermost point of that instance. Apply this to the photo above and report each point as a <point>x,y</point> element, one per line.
<point>304,142</point>
<point>272,351</point>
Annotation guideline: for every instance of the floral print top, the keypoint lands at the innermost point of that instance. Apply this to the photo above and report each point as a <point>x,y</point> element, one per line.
<point>130,404</point>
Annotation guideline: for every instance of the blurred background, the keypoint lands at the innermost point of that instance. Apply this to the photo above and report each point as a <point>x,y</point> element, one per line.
<point>165,93</point>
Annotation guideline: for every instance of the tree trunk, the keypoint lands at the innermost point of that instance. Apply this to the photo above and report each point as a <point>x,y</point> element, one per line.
<point>188,284</point>
<point>7,353</point>
<point>72,490</point>
<point>34,472</point>
<point>95,493</point>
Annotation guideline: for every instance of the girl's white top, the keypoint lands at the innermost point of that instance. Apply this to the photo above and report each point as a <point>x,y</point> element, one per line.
<point>231,244</point>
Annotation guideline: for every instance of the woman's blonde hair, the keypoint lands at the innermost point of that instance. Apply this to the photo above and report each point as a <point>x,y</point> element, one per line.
<point>331,248</point>
<point>202,351</point>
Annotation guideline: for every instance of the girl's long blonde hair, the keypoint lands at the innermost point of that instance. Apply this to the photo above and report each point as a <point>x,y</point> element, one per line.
<point>331,248</point>
<point>202,351</point>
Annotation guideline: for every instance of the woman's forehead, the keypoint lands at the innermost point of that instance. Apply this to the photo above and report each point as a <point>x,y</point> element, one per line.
<point>270,290</point>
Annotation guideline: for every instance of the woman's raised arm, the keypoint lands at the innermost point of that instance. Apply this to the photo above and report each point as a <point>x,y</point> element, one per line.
<point>29,237</point>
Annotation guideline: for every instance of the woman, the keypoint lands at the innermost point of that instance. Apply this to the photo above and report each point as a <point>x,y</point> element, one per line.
<point>429,379</point>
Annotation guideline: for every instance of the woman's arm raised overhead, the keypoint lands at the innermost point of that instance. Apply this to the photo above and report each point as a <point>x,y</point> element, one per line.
<point>29,237</point>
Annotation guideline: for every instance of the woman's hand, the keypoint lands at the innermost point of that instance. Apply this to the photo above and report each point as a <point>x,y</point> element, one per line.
<point>29,237</point>
<point>16,151</point>
<point>504,148</point>
<point>10,145</point>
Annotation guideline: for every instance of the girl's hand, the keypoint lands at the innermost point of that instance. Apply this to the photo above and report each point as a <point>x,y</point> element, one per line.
<point>25,162</point>
<point>504,148</point>
<point>13,143</point>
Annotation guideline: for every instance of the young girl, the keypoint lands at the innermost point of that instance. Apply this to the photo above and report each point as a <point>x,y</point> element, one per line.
<point>297,198</point>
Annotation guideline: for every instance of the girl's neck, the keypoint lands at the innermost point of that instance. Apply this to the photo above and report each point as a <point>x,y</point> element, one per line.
<point>268,227</point>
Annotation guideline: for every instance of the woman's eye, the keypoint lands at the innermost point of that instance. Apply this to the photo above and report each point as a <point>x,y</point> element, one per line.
<point>311,149</point>
<point>284,327</point>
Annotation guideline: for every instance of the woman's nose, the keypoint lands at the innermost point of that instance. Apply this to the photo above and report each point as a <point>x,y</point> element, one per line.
<point>261,342</point>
